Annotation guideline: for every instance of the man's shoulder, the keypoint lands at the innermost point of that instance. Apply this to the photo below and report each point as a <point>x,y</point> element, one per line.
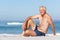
<point>48,16</point>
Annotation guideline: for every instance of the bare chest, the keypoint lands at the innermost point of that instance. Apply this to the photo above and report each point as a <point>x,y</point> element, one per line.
<point>43,21</point>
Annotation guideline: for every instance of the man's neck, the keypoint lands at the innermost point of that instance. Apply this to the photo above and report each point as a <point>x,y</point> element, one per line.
<point>43,15</point>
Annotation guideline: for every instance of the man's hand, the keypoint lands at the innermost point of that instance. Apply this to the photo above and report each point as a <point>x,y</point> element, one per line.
<point>52,25</point>
<point>28,18</point>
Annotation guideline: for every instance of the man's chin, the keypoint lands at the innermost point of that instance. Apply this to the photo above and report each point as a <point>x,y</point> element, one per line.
<point>42,15</point>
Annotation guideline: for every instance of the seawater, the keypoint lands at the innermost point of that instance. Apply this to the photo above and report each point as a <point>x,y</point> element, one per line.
<point>17,29</point>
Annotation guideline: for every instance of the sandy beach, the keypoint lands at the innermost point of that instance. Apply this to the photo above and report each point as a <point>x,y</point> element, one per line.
<point>20,37</point>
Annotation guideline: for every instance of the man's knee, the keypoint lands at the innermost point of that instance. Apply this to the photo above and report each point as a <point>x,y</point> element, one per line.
<point>30,21</point>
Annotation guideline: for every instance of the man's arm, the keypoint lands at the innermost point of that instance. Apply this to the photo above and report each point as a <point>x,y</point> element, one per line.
<point>35,17</point>
<point>52,25</point>
<point>32,17</point>
<point>24,26</point>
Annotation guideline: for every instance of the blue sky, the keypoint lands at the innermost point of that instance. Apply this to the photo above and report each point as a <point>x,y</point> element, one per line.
<point>21,9</point>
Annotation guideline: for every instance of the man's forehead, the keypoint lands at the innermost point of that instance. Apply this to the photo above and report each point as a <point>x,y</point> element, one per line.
<point>42,8</point>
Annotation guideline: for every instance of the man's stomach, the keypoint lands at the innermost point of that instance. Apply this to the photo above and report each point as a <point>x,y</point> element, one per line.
<point>44,30</point>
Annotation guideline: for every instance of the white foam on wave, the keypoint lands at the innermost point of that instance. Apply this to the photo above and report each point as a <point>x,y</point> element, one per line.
<point>14,23</point>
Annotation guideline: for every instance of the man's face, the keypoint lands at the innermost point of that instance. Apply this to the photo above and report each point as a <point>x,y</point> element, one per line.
<point>42,11</point>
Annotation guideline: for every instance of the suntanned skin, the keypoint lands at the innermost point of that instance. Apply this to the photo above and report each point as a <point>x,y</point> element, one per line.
<point>45,21</point>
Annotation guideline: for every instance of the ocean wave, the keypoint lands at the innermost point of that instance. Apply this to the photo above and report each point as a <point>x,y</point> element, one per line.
<point>14,23</point>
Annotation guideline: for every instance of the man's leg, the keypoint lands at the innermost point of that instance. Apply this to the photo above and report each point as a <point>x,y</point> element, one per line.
<point>30,23</point>
<point>24,26</point>
<point>29,33</point>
